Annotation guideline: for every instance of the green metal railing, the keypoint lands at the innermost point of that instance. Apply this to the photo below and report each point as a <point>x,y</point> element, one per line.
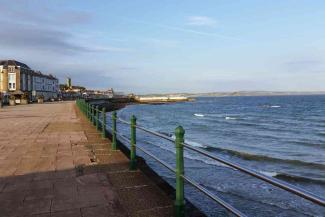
<point>92,113</point>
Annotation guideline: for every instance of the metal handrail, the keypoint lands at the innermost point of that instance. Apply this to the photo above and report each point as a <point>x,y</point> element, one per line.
<point>190,181</point>
<point>149,153</point>
<point>147,130</point>
<point>181,143</point>
<point>155,133</point>
<point>214,197</point>
<point>283,185</point>
<point>123,137</point>
<point>157,159</point>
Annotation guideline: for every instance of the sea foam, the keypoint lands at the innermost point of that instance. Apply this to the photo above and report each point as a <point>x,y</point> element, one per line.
<point>193,144</point>
<point>230,118</point>
<point>270,174</point>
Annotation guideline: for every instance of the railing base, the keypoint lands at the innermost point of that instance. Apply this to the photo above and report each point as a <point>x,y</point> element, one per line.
<point>114,144</point>
<point>133,165</point>
<point>179,209</point>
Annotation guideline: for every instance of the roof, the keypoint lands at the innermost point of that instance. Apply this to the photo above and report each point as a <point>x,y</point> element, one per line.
<point>13,62</point>
<point>7,63</point>
<point>40,74</point>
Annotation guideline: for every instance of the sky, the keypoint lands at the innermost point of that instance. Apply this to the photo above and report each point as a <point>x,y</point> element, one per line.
<point>166,46</point>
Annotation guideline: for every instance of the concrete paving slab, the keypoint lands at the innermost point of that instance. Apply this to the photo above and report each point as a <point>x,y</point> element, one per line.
<point>54,163</point>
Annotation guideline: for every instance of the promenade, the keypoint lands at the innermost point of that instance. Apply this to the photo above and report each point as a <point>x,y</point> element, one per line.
<point>53,163</point>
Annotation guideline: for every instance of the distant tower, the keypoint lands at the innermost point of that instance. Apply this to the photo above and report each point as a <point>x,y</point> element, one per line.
<point>69,83</point>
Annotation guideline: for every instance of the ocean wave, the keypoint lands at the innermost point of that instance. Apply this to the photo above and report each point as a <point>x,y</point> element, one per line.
<point>187,155</point>
<point>290,178</point>
<point>246,156</point>
<point>309,144</point>
<point>166,134</point>
<point>322,133</point>
<point>193,143</point>
<point>250,124</point>
<point>255,157</point>
<point>207,161</point>
<point>190,142</point>
<point>219,116</point>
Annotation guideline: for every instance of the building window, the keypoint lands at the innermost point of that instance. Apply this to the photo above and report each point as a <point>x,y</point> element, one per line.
<point>12,81</point>
<point>11,68</point>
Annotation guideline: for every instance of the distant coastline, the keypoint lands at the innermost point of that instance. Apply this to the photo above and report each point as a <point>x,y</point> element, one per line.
<point>118,103</point>
<point>240,93</point>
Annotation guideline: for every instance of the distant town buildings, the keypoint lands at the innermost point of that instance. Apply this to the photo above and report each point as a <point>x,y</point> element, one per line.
<point>69,83</point>
<point>69,91</point>
<point>109,93</point>
<point>19,84</point>
<point>18,81</point>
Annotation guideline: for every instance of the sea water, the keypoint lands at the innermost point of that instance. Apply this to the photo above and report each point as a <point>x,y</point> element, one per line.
<point>279,136</point>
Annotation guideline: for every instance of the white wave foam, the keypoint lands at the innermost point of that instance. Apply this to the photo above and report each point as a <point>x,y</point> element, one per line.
<point>206,160</point>
<point>270,174</point>
<point>198,115</point>
<point>230,118</point>
<point>271,106</point>
<point>192,156</point>
<point>193,144</point>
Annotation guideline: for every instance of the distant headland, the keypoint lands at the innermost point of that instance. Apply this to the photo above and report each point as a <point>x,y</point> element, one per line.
<point>240,93</point>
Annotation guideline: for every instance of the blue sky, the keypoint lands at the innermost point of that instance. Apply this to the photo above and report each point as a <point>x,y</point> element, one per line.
<point>170,46</point>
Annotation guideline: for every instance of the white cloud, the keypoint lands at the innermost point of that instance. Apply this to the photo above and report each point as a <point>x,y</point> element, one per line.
<point>180,29</point>
<point>201,21</point>
<point>110,49</point>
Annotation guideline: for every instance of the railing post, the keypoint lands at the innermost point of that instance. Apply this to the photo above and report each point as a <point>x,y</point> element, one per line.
<point>103,122</point>
<point>114,118</point>
<point>93,114</point>
<point>133,163</point>
<point>87,110</point>
<point>97,118</point>
<point>179,202</point>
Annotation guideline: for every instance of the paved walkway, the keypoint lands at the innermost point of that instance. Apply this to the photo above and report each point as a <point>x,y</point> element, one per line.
<point>54,163</point>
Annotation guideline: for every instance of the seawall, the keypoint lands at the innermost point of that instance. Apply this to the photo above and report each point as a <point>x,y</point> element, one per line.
<point>169,190</point>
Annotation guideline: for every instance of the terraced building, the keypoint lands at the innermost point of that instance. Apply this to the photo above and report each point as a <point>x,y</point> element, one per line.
<point>19,80</point>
